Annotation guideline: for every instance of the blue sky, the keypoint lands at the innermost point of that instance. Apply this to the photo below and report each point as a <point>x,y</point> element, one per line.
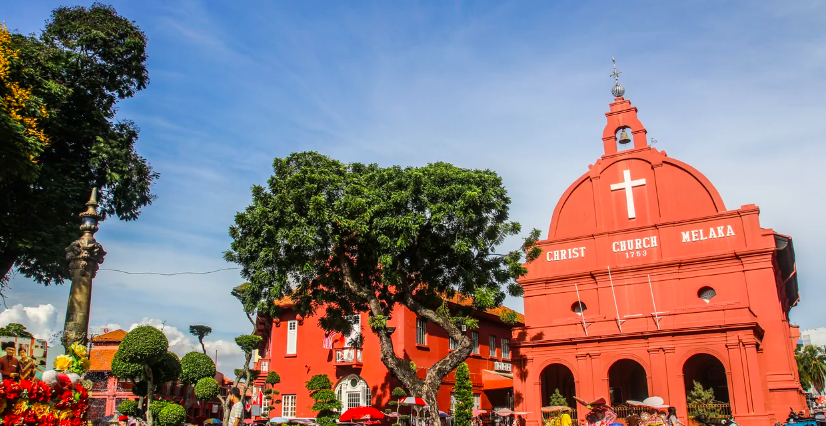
<point>733,88</point>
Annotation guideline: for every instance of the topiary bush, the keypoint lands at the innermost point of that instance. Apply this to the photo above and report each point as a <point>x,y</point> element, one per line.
<point>248,342</point>
<point>272,378</point>
<point>144,344</point>
<point>171,415</point>
<point>166,369</point>
<point>157,406</point>
<point>139,388</point>
<point>125,370</point>
<point>196,366</point>
<point>326,401</point>
<point>128,408</point>
<point>207,389</point>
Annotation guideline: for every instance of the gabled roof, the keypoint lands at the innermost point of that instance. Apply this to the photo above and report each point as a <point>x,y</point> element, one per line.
<point>112,336</point>
<point>101,358</point>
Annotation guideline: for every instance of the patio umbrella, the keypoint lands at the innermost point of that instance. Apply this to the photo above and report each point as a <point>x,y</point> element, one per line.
<point>477,413</point>
<point>504,412</point>
<point>361,413</point>
<point>442,414</point>
<point>212,422</point>
<point>413,400</point>
<point>279,420</point>
<point>554,408</point>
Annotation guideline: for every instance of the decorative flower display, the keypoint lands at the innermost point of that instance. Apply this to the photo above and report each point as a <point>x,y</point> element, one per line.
<point>60,399</point>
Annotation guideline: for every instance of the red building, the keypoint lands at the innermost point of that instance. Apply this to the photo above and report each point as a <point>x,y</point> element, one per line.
<point>108,392</point>
<point>292,346</point>
<point>648,283</point>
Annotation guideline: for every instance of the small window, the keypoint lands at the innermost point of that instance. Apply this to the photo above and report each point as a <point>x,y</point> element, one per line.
<point>292,337</point>
<point>288,406</point>
<point>492,346</point>
<point>453,344</point>
<point>506,348</point>
<point>578,308</point>
<point>477,401</point>
<point>706,293</point>
<point>421,331</point>
<point>474,337</point>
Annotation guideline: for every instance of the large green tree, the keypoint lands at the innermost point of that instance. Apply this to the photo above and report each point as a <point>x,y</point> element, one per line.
<point>73,74</point>
<point>347,238</point>
<point>463,392</point>
<point>325,401</point>
<point>811,366</point>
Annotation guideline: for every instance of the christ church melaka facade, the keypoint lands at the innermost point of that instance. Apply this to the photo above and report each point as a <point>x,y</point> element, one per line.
<point>648,283</point>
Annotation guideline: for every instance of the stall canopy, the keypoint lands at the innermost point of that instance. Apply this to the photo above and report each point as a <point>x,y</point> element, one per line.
<point>496,380</point>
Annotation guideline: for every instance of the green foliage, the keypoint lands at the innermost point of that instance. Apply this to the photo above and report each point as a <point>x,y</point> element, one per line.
<point>196,366</point>
<point>207,389</point>
<point>140,388</point>
<point>439,223</point>
<point>378,322</point>
<point>171,415</point>
<point>166,369</point>
<point>15,330</point>
<point>700,401</point>
<point>125,370</point>
<point>276,392</point>
<point>413,366</point>
<point>248,342</point>
<point>326,402</point>
<point>78,68</point>
<point>144,344</point>
<point>157,406</point>
<point>811,367</point>
<point>128,407</point>
<point>200,331</point>
<point>272,378</point>
<point>558,400</point>
<point>239,372</point>
<point>463,391</point>
<point>509,317</point>
<point>268,391</point>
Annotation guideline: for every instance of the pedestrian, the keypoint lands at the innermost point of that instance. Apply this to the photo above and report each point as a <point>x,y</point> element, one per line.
<point>237,407</point>
<point>27,367</point>
<point>123,420</point>
<point>9,365</point>
<point>672,417</point>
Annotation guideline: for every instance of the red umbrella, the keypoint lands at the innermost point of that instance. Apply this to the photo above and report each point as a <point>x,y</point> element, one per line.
<point>361,413</point>
<point>413,400</point>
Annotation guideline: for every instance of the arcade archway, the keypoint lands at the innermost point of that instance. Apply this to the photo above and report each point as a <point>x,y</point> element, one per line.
<point>627,381</point>
<point>558,376</point>
<point>709,372</point>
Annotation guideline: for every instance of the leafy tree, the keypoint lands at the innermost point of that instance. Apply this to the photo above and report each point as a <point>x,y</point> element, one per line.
<point>558,400</point>
<point>143,358</point>
<point>128,407</point>
<point>463,391</point>
<point>273,378</point>
<point>172,415</point>
<point>397,394</point>
<point>349,238</point>
<point>248,343</point>
<point>200,331</point>
<point>195,368</point>
<point>15,330</point>
<point>811,366</point>
<point>701,401</point>
<point>326,402</point>
<point>61,137</point>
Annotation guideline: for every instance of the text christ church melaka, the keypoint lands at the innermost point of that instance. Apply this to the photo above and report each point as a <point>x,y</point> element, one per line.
<point>647,283</point>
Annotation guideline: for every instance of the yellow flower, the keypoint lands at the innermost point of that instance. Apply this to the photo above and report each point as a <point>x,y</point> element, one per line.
<point>78,349</point>
<point>85,364</point>
<point>65,415</point>
<point>20,407</point>
<point>41,409</point>
<point>63,363</point>
<point>2,404</point>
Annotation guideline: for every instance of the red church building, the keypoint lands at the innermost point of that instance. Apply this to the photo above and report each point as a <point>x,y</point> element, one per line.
<point>654,284</point>
<point>294,347</point>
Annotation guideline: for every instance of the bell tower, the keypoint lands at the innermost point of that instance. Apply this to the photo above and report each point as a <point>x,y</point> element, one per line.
<point>621,118</point>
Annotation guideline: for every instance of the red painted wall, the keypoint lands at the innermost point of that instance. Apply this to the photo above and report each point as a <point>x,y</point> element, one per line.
<point>683,239</point>
<point>311,358</point>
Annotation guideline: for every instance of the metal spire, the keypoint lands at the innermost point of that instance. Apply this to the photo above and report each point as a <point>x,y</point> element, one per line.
<point>618,91</point>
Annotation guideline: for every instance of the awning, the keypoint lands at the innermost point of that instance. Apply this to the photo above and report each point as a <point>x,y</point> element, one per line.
<point>496,380</point>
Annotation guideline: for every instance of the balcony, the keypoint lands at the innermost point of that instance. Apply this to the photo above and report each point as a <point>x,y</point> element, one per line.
<point>350,357</point>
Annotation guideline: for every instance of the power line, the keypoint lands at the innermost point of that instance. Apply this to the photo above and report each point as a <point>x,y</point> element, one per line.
<point>167,274</point>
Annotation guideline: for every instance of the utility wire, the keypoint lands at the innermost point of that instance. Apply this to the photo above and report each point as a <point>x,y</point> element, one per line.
<point>167,274</point>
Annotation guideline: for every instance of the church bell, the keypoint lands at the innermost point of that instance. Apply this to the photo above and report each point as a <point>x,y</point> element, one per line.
<point>623,139</point>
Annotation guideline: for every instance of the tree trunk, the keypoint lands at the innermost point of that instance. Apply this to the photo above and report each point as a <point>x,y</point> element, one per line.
<point>7,260</point>
<point>150,385</point>
<point>203,346</point>
<point>227,403</point>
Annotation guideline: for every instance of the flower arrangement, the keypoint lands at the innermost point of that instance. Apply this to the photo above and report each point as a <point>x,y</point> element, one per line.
<point>60,399</point>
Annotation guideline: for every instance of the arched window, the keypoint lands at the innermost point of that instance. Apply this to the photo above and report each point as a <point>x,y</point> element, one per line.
<point>706,293</point>
<point>353,391</point>
<point>578,308</point>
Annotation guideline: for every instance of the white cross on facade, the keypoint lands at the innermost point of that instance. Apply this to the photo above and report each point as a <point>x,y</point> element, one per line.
<point>627,184</point>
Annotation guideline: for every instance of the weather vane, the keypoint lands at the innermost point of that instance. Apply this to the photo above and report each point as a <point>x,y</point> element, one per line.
<point>618,91</point>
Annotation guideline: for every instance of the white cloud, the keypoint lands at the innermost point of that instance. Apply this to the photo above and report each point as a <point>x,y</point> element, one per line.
<point>40,320</point>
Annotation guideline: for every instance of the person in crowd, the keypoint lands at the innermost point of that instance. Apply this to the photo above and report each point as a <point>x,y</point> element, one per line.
<point>27,367</point>
<point>123,420</point>
<point>672,417</point>
<point>237,407</point>
<point>9,365</point>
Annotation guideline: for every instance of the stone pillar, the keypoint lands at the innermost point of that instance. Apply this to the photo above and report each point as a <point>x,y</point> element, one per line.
<point>659,374</point>
<point>84,256</point>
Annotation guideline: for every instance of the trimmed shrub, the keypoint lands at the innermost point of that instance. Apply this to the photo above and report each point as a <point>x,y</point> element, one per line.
<point>172,415</point>
<point>144,344</point>
<point>207,389</point>
<point>157,406</point>
<point>128,408</point>
<point>196,366</point>
<point>272,378</point>
<point>248,342</point>
<point>167,369</point>
<point>125,370</point>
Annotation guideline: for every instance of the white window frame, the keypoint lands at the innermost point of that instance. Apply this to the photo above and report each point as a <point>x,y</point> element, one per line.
<point>492,346</point>
<point>343,390</point>
<point>265,366</point>
<point>477,401</point>
<point>288,406</point>
<point>292,337</point>
<point>453,344</point>
<point>355,329</point>
<point>506,348</point>
<point>474,341</point>
<point>421,331</point>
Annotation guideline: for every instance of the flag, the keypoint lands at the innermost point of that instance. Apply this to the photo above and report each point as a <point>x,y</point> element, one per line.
<point>329,337</point>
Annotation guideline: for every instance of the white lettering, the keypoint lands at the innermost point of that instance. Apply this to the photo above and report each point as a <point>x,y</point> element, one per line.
<point>694,235</point>
<point>562,255</point>
<point>575,252</point>
<point>720,231</point>
<point>686,237</point>
<point>556,254</point>
<point>646,242</point>
<point>582,251</point>
<point>653,241</point>
<point>638,243</point>
<point>615,246</point>
<point>730,231</point>
<point>713,233</point>
<point>701,236</point>
<point>622,246</point>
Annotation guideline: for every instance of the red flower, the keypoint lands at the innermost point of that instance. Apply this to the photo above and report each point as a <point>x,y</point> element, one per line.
<point>30,418</point>
<point>48,420</point>
<point>12,420</point>
<point>13,390</point>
